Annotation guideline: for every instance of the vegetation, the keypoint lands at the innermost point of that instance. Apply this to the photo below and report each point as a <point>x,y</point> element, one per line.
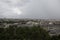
<point>25,33</point>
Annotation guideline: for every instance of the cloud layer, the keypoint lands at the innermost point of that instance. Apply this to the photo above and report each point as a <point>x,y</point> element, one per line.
<point>7,7</point>
<point>46,9</point>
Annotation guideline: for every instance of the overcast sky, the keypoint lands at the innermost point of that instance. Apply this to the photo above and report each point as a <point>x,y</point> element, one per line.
<point>46,9</point>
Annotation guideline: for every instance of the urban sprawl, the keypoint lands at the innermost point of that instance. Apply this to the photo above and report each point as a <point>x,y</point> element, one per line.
<point>51,26</point>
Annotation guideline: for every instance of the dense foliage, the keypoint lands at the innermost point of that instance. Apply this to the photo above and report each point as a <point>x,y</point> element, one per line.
<point>25,33</point>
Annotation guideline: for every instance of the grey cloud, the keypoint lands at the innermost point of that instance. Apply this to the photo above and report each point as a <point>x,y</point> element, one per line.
<point>6,8</point>
<point>49,9</point>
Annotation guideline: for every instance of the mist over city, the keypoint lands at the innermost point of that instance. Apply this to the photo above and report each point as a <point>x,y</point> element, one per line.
<point>29,19</point>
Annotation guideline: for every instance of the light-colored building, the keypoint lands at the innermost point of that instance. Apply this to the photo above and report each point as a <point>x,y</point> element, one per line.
<point>32,23</point>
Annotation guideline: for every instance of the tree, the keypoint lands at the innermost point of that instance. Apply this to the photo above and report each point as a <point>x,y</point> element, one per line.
<point>24,33</point>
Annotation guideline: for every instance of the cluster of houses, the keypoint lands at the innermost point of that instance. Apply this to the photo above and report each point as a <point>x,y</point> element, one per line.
<point>50,26</point>
<point>25,23</point>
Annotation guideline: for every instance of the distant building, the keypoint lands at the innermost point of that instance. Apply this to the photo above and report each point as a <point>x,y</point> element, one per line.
<point>32,23</point>
<point>50,23</point>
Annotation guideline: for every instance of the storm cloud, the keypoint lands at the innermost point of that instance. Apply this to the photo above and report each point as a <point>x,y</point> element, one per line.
<point>40,9</point>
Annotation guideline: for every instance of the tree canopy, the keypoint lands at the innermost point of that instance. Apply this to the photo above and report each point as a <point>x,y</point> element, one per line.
<point>25,33</point>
